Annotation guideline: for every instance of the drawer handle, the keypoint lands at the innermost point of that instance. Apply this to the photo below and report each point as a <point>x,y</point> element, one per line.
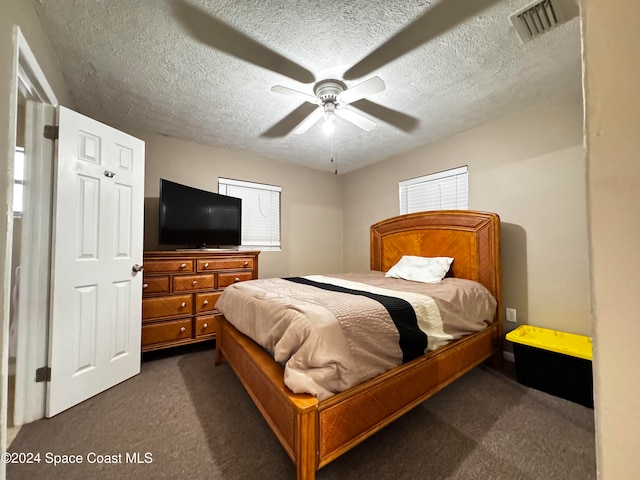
<point>145,285</point>
<point>206,265</point>
<point>184,265</point>
<point>246,264</point>
<point>206,325</point>
<point>183,304</point>
<point>183,329</point>
<point>206,302</point>
<point>236,280</point>
<point>194,283</point>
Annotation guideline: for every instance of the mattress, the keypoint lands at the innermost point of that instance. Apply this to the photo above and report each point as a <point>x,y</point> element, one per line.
<point>332,332</point>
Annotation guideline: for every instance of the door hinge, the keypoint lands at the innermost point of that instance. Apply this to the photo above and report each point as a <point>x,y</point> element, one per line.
<point>43,374</point>
<point>51,132</point>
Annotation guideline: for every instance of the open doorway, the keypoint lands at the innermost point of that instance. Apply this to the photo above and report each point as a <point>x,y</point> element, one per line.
<point>31,240</point>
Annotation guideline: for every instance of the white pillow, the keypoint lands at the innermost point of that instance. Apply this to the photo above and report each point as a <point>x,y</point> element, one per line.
<point>421,269</point>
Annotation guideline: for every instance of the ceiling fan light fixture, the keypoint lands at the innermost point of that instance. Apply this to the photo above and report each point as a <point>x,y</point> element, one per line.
<point>329,111</point>
<point>329,117</point>
<point>328,127</point>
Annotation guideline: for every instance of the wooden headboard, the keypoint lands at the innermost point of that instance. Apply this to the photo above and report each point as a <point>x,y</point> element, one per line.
<point>472,238</point>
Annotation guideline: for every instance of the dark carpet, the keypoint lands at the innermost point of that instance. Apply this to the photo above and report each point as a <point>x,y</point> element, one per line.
<point>184,418</point>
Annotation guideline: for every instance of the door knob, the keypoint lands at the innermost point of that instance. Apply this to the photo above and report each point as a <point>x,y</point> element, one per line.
<point>137,268</point>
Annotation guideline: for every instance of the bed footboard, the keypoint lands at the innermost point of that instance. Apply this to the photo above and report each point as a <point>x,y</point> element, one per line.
<point>315,433</point>
<point>348,418</point>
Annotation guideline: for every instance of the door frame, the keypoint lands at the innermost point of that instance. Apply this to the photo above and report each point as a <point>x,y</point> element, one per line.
<point>29,80</point>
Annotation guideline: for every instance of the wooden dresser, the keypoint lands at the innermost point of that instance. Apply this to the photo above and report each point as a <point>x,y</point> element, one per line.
<point>180,290</point>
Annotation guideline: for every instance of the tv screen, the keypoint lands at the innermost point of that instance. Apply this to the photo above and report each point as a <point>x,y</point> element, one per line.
<point>198,218</point>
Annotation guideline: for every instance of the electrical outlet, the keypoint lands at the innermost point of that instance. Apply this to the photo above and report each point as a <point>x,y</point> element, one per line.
<point>511,315</point>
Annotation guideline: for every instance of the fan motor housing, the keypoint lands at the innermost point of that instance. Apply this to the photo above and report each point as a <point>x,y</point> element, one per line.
<point>328,90</point>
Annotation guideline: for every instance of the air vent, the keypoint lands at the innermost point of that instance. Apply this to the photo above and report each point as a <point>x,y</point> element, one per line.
<point>542,16</point>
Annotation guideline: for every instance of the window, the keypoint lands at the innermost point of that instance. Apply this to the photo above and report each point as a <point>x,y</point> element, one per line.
<point>260,212</point>
<point>18,182</point>
<point>447,190</point>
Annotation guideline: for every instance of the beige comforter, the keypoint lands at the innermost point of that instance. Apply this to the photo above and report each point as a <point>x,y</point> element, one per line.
<point>329,341</point>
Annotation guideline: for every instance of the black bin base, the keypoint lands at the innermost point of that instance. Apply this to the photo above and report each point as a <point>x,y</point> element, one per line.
<point>561,375</point>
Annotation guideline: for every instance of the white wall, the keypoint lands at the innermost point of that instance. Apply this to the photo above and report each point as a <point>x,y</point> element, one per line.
<point>611,55</point>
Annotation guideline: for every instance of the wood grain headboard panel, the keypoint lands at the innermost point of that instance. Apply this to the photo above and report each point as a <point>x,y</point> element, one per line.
<point>472,238</point>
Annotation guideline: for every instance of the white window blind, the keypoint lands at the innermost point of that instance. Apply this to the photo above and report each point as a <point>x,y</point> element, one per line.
<point>447,190</point>
<point>260,211</point>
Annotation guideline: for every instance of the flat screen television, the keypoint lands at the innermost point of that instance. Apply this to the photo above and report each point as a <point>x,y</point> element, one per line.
<point>198,218</point>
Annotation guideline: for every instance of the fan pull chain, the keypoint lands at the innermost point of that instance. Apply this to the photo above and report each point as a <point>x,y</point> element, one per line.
<point>334,156</point>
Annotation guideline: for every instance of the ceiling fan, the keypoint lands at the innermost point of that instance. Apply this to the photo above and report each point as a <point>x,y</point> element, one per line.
<point>333,97</point>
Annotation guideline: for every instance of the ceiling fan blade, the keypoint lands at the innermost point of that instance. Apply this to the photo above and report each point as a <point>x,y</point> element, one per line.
<point>289,122</point>
<point>400,120</point>
<point>436,20</point>
<point>310,121</point>
<point>358,120</point>
<point>207,29</point>
<point>368,87</point>
<point>295,93</point>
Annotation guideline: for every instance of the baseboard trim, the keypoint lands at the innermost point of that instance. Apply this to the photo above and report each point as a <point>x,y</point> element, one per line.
<point>508,356</point>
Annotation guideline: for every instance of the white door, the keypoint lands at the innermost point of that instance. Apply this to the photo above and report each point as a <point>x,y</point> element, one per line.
<point>96,311</point>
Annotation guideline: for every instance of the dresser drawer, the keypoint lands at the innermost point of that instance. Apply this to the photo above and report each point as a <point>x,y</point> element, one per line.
<point>205,326</point>
<point>163,332</point>
<point>205,302</point>
<point>168,266</point>
<point>174,305</point>
<point>158,284</point>
<point>181,290</point>
<point>184,283</point>
<point>226,279</point>
<point>224,263</point>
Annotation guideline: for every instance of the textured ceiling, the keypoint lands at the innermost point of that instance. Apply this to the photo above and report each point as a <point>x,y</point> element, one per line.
<point>202,71</point>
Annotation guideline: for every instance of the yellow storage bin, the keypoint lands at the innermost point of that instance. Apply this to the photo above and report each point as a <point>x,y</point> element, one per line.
<point>553,340</point>
<point>555,362</point>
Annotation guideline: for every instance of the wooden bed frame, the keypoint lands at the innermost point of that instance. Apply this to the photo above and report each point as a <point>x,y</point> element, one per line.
<point>313,432</point>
